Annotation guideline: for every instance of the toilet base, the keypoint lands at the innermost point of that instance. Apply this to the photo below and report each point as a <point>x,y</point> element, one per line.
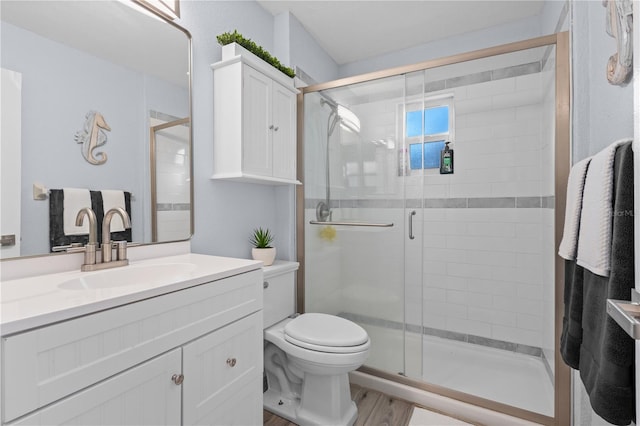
<point>289,409</point>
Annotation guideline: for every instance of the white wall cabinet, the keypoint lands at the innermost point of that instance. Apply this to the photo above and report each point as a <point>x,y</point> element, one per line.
<point>254,121</point>
<point>117,367</point>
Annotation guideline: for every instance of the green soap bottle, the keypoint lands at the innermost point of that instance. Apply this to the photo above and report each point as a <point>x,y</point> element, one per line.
<point>446,160</point>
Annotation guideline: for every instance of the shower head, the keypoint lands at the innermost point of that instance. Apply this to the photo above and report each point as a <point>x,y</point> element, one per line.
<point>347,118</point>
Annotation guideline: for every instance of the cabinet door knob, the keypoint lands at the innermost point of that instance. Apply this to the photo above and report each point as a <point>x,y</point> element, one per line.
<point>231,362</point>
<point>177,379</point>
<point>265,284</point>
<point>276,128</point>
<point>271,127</point>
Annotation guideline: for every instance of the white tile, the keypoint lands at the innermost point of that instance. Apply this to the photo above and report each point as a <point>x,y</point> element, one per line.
<point>492,287</point>
<point>470,190</point>
<point>491,88</point>
<point>517,335</point>
<point>447,310</point>
<point>530,322</point>
<point>462,325</point>
<point>442,254</point>
<point>471,106</point>
<point>508,319</point>
<point>492,117</point>
<point>529,82</point>
<point>457,297</point>
<point>517,99</point>
<point>472,134</point>
<point>430,319</point>
<point>491,258</point>
<point>497,229</point>
<point>468,270</point>
<point>532,292</point>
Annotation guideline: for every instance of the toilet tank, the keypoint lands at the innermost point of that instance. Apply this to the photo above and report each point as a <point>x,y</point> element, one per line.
<point>279,291</point>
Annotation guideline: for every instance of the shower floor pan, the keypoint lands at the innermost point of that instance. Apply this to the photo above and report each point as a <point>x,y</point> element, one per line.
<point>507,377</point>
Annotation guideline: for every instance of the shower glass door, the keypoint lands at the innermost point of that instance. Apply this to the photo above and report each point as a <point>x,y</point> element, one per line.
<point>355,265</point>
<point>450,265</point>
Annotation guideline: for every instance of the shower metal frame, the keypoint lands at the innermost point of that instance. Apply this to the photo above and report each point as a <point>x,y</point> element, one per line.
<point>562,382</point>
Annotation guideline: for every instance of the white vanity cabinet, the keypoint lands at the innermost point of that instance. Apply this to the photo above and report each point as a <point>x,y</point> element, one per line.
<point>254,121</point>
<point>192,356</point>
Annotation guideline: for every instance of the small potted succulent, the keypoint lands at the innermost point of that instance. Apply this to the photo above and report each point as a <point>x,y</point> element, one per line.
<point>262,250</point>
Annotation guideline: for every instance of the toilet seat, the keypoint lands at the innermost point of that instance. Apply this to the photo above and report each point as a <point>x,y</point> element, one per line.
<point>326,333</point>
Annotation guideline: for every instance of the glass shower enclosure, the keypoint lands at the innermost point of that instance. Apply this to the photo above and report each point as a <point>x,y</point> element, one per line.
<point>431,211</point>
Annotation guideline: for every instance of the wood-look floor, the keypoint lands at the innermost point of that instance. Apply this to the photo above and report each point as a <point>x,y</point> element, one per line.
<point>374,408</point>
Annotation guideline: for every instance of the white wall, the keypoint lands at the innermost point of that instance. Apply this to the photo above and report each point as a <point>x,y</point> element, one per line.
<point>226,212</point>
<point>602,113</point>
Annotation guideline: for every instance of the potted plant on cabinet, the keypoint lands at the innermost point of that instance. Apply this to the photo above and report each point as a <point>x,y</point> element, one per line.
<point>235,39</point>
<point>262,250</point>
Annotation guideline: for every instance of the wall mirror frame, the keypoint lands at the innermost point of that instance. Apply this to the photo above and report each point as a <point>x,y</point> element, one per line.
<point>133,62</point>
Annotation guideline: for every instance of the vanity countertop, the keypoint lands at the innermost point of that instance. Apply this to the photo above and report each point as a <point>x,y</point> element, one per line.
<point>36,301</point>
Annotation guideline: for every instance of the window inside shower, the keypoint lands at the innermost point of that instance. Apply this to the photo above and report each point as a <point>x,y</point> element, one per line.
<point>457,289</point>
<point>428,125</point>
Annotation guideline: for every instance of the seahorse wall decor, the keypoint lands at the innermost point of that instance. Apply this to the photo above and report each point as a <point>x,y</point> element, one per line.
<point>620,26</point>
<point>93,136</point>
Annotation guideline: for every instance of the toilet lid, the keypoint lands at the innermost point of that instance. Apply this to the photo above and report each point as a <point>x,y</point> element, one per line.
<point>326,333</point>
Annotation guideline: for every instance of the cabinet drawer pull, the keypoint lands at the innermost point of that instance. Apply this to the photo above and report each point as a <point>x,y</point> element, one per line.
<point>271,127</point>
<point>276,128</point>
<point>265,284</point>
<point>231,362</point>
<point>177,379</point>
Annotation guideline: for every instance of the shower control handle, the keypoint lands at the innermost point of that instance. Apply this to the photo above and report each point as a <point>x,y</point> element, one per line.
<point>411,215</point>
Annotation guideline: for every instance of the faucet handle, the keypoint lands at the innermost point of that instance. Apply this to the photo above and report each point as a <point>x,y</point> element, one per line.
<point>121,249</point>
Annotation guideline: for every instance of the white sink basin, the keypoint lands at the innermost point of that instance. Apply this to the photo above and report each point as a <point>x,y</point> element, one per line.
<point>131,275</point>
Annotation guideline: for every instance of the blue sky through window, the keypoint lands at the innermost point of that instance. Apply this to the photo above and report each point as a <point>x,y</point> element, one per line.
<point>436,121</point>
<point>429,158</point>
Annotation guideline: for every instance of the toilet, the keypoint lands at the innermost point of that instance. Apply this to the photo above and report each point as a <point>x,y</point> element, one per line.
<point>308,357</point>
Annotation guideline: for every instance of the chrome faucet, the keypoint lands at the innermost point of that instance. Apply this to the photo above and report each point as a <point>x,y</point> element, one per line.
<point>92,245</point>
<point>106,232</point>
<point>90,262</point>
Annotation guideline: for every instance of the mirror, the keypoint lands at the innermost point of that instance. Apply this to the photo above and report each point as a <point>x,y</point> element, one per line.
<point>61,61</point>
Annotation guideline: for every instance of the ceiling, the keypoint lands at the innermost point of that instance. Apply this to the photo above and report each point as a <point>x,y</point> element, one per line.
<point>354,30</point>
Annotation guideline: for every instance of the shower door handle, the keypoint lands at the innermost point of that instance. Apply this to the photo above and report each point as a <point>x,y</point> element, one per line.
<point>411,215</point>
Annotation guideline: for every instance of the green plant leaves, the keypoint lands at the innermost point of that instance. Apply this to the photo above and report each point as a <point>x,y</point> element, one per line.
<point>251,46</point>
<point>261,238</point>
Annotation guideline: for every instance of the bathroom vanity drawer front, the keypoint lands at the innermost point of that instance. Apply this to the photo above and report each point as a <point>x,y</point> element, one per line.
<point>47,364</point>
<point>218,366</point>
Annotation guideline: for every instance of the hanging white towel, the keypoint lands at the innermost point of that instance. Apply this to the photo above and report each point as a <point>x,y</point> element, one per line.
<point>75,199</point>
<point>113,198</point>
<point>596,221</point>
<point>575,188</point>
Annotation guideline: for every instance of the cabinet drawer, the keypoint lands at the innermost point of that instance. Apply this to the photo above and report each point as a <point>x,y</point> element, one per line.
<point>219,365</point>
<point>47,364</point>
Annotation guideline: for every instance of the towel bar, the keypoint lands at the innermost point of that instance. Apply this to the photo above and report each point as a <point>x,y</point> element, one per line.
<point>626,314</point>
<point>348,223</point>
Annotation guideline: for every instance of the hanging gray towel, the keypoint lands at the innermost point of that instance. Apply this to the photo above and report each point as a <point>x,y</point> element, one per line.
<point>606,361</point>
<point>571,337</point>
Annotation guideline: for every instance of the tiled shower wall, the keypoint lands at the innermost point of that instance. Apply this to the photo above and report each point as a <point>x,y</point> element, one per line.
<point>173,175</point>
<point>482,261</point>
